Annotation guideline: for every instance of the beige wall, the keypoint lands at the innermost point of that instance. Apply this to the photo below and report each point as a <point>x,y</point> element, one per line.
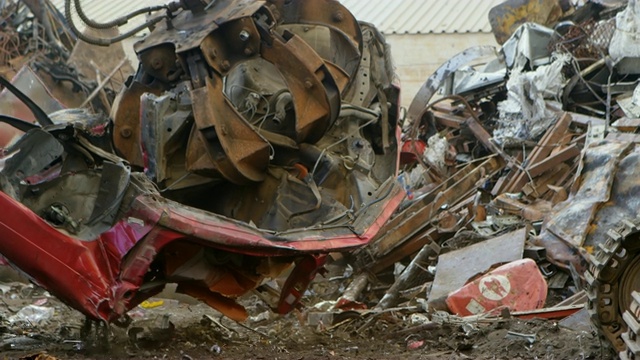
<point>417,56</point>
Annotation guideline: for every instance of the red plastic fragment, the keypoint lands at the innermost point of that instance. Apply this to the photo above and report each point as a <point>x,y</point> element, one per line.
<point>518,285</point>
<point>415,344</point>
<point>408,154</point>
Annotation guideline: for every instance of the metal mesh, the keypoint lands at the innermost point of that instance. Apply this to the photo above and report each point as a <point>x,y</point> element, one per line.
<point>588,40</point>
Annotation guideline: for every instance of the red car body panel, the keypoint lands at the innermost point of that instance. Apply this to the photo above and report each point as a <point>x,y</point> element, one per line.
<point>101,276</point>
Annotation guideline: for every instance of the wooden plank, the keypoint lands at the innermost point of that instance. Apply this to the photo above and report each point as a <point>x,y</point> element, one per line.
<point>544,148</point>
<point>501,184</point>
<point>410,247</point>
<point>429,235</point>
<point>425,200</point>
<point>539,187</point>
<point>412,224</point>
<point>554,160</point>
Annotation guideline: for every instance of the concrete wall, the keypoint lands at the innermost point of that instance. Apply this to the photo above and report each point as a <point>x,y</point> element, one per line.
<point>417,56</point>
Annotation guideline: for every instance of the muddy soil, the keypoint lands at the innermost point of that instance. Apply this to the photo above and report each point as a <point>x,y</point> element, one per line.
<point>182,329</point>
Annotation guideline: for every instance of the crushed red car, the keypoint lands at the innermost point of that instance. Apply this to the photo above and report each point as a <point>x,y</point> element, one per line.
<point>254,136</point>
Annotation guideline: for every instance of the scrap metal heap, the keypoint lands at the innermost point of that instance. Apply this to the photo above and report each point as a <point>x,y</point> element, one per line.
<point>539,135</point>
<point>253,136</point>
<point>256,135</point>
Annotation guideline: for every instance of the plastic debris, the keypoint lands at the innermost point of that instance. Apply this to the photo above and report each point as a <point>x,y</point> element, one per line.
<point>149,304</point>
<point>32,314</point>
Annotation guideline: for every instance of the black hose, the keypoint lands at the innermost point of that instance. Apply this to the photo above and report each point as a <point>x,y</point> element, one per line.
<point>19,124</point>
<point>117,22</point>
<point>104,41</point>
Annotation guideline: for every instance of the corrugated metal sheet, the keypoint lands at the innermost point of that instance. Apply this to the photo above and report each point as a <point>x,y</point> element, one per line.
<point>390,16</point>
<point>424,16</point>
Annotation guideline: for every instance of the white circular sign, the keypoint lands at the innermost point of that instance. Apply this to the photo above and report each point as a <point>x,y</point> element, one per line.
<point>494,287</point>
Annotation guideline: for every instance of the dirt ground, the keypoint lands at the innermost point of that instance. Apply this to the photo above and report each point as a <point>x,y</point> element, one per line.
<point>182,329</point>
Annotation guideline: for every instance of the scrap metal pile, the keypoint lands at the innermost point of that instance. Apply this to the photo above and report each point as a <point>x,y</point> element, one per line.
<point>529,151</point>
<point>29,27</point>
<point>257,136</point>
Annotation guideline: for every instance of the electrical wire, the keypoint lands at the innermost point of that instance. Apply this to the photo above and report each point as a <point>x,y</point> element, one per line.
<point>344,138</point>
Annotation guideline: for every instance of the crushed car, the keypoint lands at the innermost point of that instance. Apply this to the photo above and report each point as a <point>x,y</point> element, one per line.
<point>255,137</point>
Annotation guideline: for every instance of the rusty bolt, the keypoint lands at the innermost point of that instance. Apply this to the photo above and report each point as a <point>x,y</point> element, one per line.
<point>225,65</point>
<point>244,35</point>
<point>126,132</point>
<point>338,16</point>
<point>157,63</point>
<point>308,84</point>
<point>248,51</point>
<point>306,29</point>
<point>224,130</point>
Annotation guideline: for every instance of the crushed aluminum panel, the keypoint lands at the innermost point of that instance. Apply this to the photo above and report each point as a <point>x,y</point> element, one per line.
<point>529,42</point>
<point>625,41</point>
<point>571,219</point>
<point>469,80</point>
<point>524,115</point>
<point>30,155</point>
<point>455,268</point>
